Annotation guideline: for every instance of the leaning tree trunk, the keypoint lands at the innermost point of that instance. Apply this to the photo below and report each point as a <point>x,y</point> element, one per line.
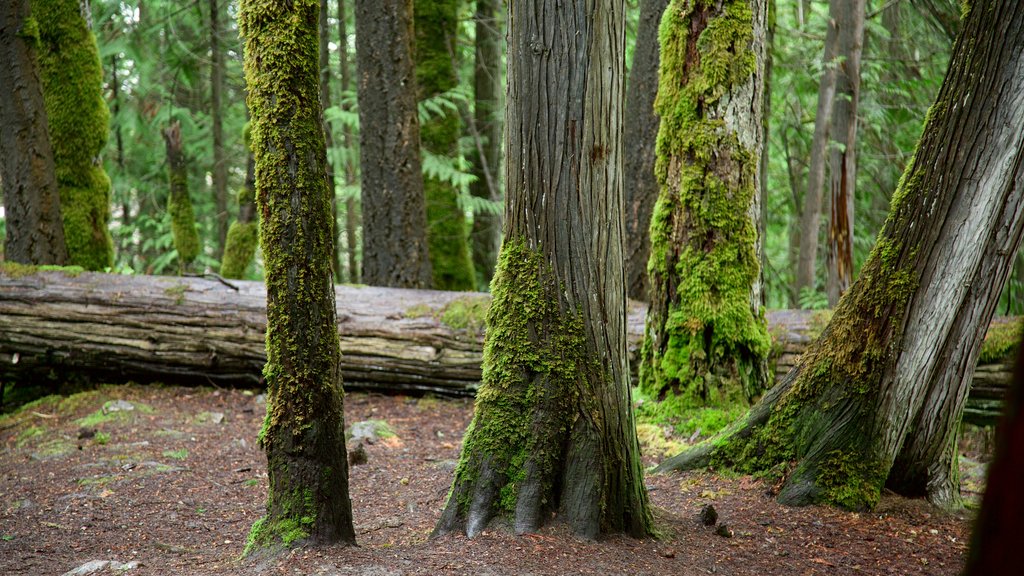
<point>77,118</point>
<point>843,148</point>
<point>394,215</point>
<point>304,431</point>
<point>879,395</point>
<point>706,341</point>
<point>553,427</point>
<point>35,234</point>
<point>639,137</point>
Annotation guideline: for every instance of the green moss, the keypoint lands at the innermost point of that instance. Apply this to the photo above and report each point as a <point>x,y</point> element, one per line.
<point>17,270</point>
<point>706,343</point>
<point>239,249</point>
<point>293,527</point>
<point>177,292</point>
<point>533,363</point>
<point>850,481</point>
<point>436,23</point>
<point>179,454</point>
<point>183,219</point>
<point>467,313</point>
<point>1001,341</point>
<point>78,121</point>
<point>30,31</point>
<point>28,434</point>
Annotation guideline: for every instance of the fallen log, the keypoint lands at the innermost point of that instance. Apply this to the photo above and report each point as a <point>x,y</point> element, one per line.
<point>188,330</point>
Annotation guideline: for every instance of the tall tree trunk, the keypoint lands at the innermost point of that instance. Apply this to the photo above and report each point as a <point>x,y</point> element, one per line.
<point>325,103</point>
<point>810,218</point>
<point>849,19</point>
<point>553,427</point>
<point>878,397</point>
<point>220,166</point>
<point>436,25</point>
<point>706,340</point>
<point>78,120</point>
<point>243,236</point>
<point>485,236</point>
<point>127,244</point>
<point>31,200</point>
<point>304,432</point>
<point>639,138</point>
<point>351,209</point>
<point>179,204</point>
<point>394,214</point>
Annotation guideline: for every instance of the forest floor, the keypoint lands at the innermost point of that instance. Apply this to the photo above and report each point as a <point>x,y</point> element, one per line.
<point>168,481</point>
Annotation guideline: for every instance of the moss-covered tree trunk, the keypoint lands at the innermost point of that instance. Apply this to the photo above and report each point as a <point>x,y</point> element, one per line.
<point>878,397</point>
<point>35,234</point>
<point>448,236</point>
<point>77,117</point>
<point>220,165</point>
<point>394,214</point>
<point>179,204</point>
<point>553,427</point>
<point>849,20</point>
<point>243,235</point>
<point>485,156</point>
<point>303,433</point>
<point>639,138</point>
<point>706,342</point>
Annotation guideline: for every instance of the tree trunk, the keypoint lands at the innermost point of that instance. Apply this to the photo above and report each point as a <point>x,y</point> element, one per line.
<point>639,138</point>
<point>304,432</point>
<point>325,103</point>
<point>553,428</point>
<point>707,343</point>
<point>220,166</point>
<point>394,215</point>
<point>877,398</point>
<point>179,205</point>
<point>351,209</point>
<point>78,119</point>
<point>435,25</point>
<point>810,218</point>
<point>243,236</point>
<point>31,201</point>
<point>485,236</point>
<point>849,19</point>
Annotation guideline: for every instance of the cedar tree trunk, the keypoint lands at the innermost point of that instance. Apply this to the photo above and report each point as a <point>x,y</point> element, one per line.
<point>877,398</point>
<point>706,342</point>
<point>304,431</point>
<point>394,215</point>
<point>553,428</point>
<point>35,234</point>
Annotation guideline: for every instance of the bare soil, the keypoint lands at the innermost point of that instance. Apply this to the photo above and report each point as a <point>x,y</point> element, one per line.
<point>175,483</point>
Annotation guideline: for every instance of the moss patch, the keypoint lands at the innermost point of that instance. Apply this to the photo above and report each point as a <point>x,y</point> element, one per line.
<point>1001,341</point>
<point>239,249</point>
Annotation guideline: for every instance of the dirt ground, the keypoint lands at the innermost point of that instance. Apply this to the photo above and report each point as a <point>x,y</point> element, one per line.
<point>171,479</point>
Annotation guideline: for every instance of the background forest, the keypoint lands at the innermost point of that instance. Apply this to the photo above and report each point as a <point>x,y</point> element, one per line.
<point>170,63</point>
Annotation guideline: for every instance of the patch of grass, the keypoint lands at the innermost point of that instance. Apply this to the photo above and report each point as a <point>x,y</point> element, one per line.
<point>101,438</point>
<point>657,441</point>
<point>96,481</point>
<point>252,482</point>
<point>7,537</point>
<point>179,454</point>
<point>107,413</point>
<point>26,435</point>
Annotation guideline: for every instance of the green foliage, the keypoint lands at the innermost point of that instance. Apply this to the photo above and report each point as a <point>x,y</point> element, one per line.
<point>78,121</point>
<point>1001,341</point>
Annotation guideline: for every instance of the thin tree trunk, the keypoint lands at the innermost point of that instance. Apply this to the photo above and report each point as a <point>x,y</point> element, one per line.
<point>351,208</point>
<point>849,18</point>
<point>485,236</point>
<point>325,103</point>
<point>553,428</point>
<point>303,434</point>
<point>179,204</point>
<point>243,235</point>
<point>395,249</point>
<point>220,166</point>
<point>810,218</point>
<point>35,234</point>
<point>878,397</point>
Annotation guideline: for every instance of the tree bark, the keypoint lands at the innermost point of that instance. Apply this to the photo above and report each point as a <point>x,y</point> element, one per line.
<point>435,29</point>
<point>304,432</point>
<point>810,218</point>
<point>179,204</point>
<point>485,236</point>
<point>849,19</point>
<point>553,427</point>
<point>639,139</point>
<point>243,235</point>
<point>35,234</point>
<point>325,103</point>
<point>707,343</point>
<point>351,209</point>
<point>77,121</point>
<point>394,215</point>
<point>220,166</point>
<point>878,397</point>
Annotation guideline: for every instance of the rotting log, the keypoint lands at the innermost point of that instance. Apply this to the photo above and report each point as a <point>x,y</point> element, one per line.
<point>202,331</point>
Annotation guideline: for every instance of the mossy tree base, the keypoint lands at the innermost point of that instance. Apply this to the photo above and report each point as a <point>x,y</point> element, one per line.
<point>877,399</point>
